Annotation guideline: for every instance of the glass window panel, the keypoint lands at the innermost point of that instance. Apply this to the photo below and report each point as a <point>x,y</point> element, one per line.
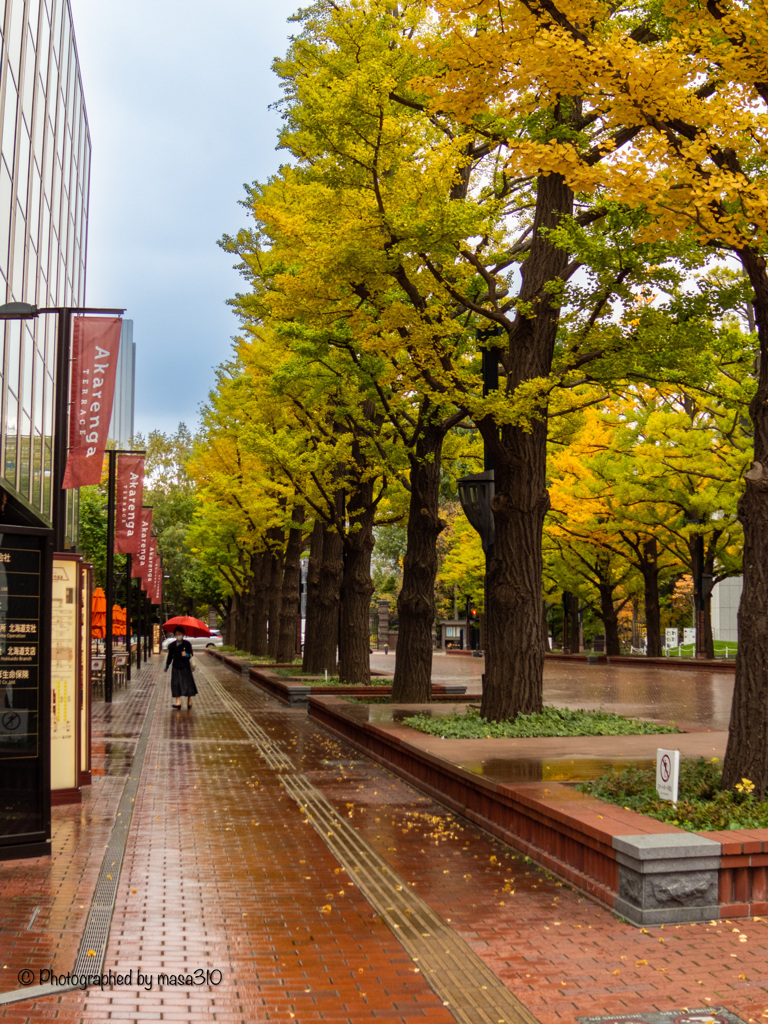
<point>28,91</point>
<point>19,244</point>
<point>37,470</point>
<point>26,396</point>
<point>56,194</point>
<point>48,410</point>
<point>45,227</point>
<point>33,215</point>
<point>9,122</point>
<point>39,139</point>
<point>6,206</point>
<point>30,291</point>
<point>65,57</point>
<point>49,150</point>
<point>15,37</point>
<point>56,30</point>
<point>11,436</point>
<point>43,49</point>
<point>37,409</point>
<point>33,10</point>
<point>25,443</point>
<point>47,459</point>
<point>22,168</point>
<point>13,344</point>
<point>66,155</point>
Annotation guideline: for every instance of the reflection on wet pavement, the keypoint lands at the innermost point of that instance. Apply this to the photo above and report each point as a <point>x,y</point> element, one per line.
<point>692,698</point>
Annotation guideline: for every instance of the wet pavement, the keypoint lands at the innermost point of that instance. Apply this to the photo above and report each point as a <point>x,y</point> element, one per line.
<point>323,888</point>
<point>698,698</point>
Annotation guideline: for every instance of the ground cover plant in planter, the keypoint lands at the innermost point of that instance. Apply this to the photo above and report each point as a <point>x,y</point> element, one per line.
<point>549,722</point>
<point>702,807</point>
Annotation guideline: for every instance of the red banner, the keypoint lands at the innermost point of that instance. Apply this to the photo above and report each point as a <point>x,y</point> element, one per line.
<point>152,566</point>
<point>128,499</point>
<point>141,558</point>
<point>158,598</point>
<point>95,344</point>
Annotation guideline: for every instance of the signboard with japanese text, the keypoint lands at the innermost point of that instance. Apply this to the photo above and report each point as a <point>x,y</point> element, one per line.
<point>65,674</point>
<point>24,686</point>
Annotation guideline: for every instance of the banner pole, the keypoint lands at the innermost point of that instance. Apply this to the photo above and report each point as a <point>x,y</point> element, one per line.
<point>111,457</point>
<point>128,626</point>
<point>61,426</point>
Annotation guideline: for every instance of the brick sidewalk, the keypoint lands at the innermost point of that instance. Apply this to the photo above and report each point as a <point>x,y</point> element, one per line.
<point>225,870</point>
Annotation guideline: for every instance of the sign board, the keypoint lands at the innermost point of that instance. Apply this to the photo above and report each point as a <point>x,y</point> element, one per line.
<point>24,692</point>
<point>689,635</point>
<point>670,637</point>
<point>65,674</point>
<point>86,588</point>
<point>667,774</point>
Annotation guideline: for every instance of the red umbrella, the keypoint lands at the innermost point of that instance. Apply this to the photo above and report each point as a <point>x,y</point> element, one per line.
<point>191,627</point>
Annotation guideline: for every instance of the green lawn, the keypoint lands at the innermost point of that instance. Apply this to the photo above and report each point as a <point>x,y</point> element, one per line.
<point>551,722</point>
<point>723,649</point>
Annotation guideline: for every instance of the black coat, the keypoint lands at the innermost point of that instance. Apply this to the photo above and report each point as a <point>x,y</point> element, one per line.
<point>179,653</point>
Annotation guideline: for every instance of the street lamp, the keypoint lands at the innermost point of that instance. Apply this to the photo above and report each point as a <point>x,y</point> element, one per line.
<point>28,311</point>
<point>476,494</point>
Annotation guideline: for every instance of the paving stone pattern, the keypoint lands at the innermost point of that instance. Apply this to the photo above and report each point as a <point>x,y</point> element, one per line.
<point>224,871</point>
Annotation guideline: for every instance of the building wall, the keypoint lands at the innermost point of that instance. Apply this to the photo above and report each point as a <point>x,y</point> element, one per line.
<point>45,153</point>
<point>726,597</point>
<point>121,424</point>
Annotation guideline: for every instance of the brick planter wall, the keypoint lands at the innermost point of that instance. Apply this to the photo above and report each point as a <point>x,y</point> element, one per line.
<point>646,870</point>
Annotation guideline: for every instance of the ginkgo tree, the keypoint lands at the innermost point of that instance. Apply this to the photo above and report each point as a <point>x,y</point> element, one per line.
<point>668,108</point>
<point>402,222</point>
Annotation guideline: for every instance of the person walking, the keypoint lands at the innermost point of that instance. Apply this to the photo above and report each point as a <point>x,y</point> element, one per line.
<point>182,680</point>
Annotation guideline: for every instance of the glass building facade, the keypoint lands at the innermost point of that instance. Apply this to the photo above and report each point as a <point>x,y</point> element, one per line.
<point>45,152</point>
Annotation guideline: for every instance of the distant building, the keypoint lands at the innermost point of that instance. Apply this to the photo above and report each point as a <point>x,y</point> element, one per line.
<point>45,155</point>
<point>121,424</point>
<point>726,597</point>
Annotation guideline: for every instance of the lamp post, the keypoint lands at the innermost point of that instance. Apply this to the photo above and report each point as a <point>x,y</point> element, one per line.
<point>28,311</point>
<point>476,491</point>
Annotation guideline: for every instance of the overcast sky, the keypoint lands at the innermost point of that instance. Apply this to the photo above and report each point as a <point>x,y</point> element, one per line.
<point>177,94</point>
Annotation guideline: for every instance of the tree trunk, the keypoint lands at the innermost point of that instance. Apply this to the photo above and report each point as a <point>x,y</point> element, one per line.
<point>514,670</point>
<point>610,619</point>
<point>574,625</point>
<point>291,590</point>
<point>746,755</point>
<point>357,589</point>
<point>649,567</point>
<point>320,656</point>
<point>311,630</point>
<point>275,596</point>
<point>258,599</point>
<point>514,662</point>
<point>416,604</point>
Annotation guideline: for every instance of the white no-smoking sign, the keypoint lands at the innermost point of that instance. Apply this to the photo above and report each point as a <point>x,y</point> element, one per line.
<point>667,774</point>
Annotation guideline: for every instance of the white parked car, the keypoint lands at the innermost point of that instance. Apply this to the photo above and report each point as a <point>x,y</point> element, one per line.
<point>199,643</point>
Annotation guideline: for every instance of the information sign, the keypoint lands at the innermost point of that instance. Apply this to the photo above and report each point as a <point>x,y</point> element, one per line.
<point>689,635</point>
<point>65,673</point>
<point>667,774</point>
<point>24,784</point>
<point>670,637</point>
